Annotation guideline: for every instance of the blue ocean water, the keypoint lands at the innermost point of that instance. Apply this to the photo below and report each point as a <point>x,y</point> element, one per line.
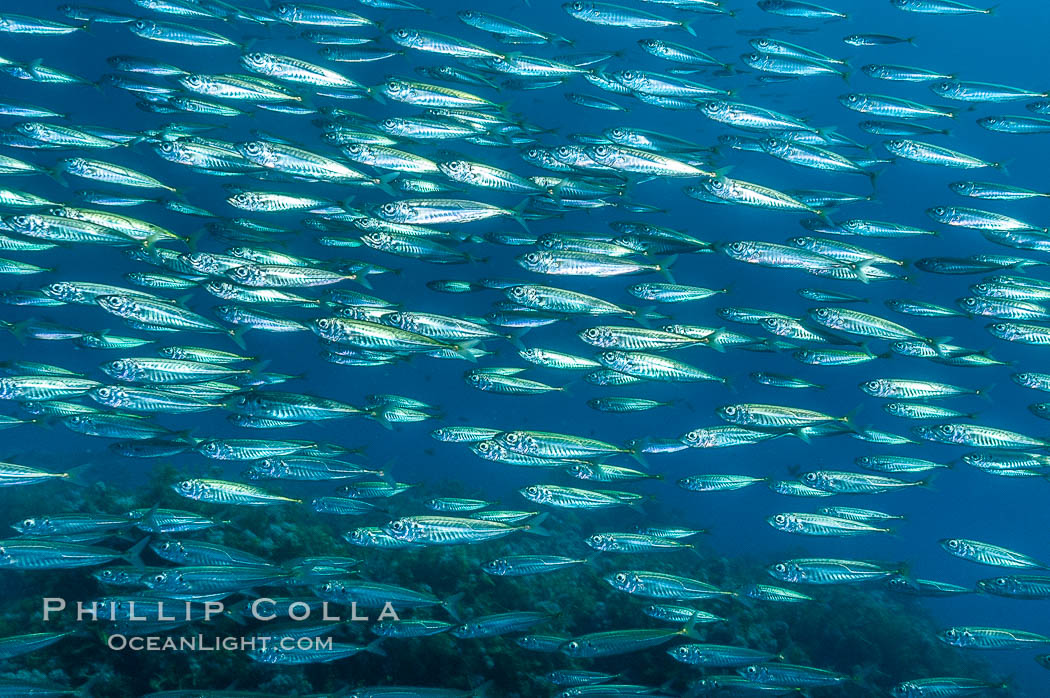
<point>1006,47</point>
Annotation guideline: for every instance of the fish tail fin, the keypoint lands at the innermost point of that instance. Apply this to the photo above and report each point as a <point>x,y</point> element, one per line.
<point>515,338</point>
<point>745,600</point>
<point>849,419</point>
<point>379,416</point>
<point>57,175</point>
<point>463,350</point>
<point>517,213</point>
<point>134,553</point>
<point>374,647</point>
<point>84,689</point>
<point>258,367</point>
<point>663,267</point>
<point>194,238</point>
<point>237,335</point>
<point>711,340</point>
<point>688,26</point>
<point>77,475</point>
<point>450,605</point>
<point>383,183</point>
<point>644,314</point>
<point>535,526</point>
<point>689,629</point>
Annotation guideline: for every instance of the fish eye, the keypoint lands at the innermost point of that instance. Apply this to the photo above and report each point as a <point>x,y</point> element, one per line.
<point>729,409</point>
<point>621,578</point>
<point>810,477</point>
<point>780,519</point>
<point>872,385</point>
<point>601,151</point>
<point>27,523</point>
<point>1001,581</point>
<point>780,567</point>
<point>159,578</point>
<point>578,6</point>
<point>851,98</point>
<point>573,645</point>
<point>953,544</point>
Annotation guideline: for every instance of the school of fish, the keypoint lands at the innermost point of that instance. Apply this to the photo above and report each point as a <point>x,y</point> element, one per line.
<point>358,167</point>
